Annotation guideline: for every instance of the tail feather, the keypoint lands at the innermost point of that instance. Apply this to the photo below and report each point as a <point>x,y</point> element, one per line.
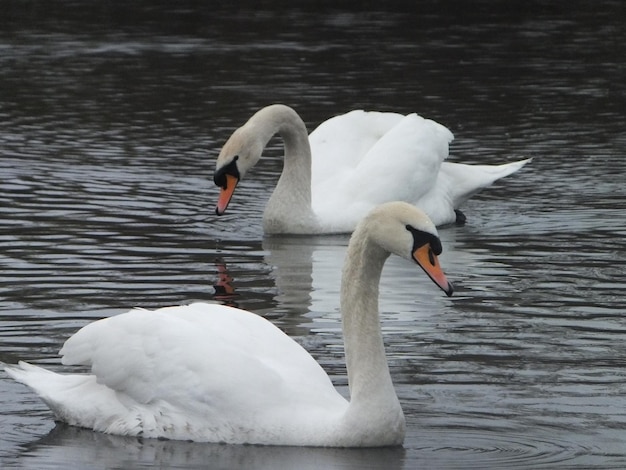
<point>465,181</point>
<point>28,374</point>
<point>456,183</point>
<point>76,399</point>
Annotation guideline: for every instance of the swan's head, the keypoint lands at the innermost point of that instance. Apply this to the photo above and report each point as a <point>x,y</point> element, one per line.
<point>240,153</point>
<point>403,229</point>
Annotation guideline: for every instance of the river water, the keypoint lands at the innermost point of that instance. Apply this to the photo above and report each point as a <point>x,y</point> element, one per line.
<point>111,117</point>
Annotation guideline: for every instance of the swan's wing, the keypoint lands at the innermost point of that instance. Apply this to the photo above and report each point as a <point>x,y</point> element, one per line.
<point>401,165</point>
<point>202,353</point>
<point>409,156</point>
<point>340,143</point>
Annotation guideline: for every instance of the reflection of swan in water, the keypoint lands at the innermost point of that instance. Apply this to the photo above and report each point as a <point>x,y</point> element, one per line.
<point>71,447</point>
<point>307,273</point>
<point>293,262</point>
<point>350,164</point>
<point>224,290</point>
<point>213,373</point>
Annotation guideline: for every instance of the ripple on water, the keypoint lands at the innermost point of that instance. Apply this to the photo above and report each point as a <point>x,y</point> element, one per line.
<point>460,448</point>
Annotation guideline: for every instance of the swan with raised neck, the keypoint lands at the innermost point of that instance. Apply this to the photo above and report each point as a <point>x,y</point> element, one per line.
<point>207,372</point>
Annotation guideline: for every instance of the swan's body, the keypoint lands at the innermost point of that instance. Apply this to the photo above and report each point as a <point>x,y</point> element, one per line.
<point>213,373</point>
<point>350,164</point>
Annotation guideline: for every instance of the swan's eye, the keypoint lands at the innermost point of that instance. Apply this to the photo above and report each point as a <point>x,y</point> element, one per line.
<point>219,178</point>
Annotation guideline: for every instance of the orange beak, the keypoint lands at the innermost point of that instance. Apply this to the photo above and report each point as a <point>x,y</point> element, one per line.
<point>426,258</point>
<point>226,193</point>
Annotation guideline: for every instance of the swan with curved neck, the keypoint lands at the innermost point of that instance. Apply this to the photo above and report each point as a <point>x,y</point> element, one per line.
<point>289,207</point>
<point>212,373</point>
<point>350,164</point>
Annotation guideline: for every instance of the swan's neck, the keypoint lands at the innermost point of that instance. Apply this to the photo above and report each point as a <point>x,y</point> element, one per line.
<point>290,203</point>
<point>368,374</point>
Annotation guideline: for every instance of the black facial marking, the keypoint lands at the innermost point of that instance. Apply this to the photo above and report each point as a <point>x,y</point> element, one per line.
<point>231,169</point>
<point>421,238</point>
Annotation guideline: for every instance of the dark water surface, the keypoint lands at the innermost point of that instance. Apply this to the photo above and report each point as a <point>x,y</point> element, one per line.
<point>111,117</point>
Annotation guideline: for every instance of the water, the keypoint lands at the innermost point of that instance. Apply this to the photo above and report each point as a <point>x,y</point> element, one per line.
<point>111,119</point>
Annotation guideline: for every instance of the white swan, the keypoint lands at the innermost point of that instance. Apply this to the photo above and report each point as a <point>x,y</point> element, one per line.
<point>350,164</point>
<point>212,373</point>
